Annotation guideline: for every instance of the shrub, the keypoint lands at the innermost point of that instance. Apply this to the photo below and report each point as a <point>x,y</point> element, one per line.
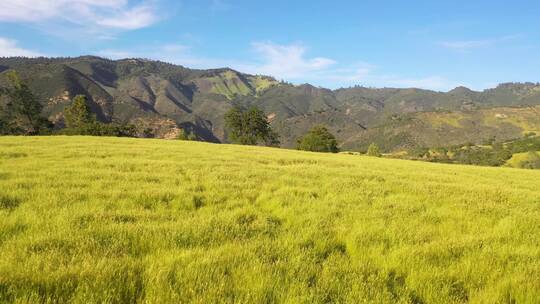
<point>373,150</point>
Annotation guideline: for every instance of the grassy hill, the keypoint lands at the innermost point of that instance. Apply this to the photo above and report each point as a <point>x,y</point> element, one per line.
<point>160,98</point>
<point>529,160</point>
<point>117,220</point>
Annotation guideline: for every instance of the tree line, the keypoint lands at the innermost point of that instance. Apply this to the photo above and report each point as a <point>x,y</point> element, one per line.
<point>490,153</point>
<point>250,126</point>
<point>21,114</point>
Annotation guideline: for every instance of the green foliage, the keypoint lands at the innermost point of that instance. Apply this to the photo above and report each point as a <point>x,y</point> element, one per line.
<point>4,125</point>
<point>182,135</point>
<point>249,127</point>
<point>22,113</point>
<point>203,94</point>
<point>192,136</point>
<point>186,135</point>
<point>78,114</point>
<point>81,121</point>
<point>495,154</point>
<point>102,129</point>
<point>418,152</point>
<point>318,139</point>
<point>121,220</point>
<point>530,142</point>
<point>373,150</point>
<point>531,161</point>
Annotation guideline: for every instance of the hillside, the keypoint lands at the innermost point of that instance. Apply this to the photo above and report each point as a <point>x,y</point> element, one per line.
<point>161,98</point>
<point>119,220</point>
<point>528,160</point>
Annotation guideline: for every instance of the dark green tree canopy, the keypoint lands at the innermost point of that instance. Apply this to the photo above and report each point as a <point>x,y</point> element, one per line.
<point>318,139</point>
<point>22,114</point>
<point>249,127</point>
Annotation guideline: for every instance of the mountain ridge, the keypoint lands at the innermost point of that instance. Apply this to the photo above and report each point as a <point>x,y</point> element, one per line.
<point>162,98</point>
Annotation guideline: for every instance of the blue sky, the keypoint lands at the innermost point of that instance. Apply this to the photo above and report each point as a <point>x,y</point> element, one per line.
<point>428,44</point>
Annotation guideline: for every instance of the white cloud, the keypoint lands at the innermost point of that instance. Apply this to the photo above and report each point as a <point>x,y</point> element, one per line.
<point>116,54</point>
<point>112,14</point>
<point>466,45</point>
<point>172,53</point>
<point>436,83</point>
<point>357,73</point>
<point>280,61</point>
<point>131,19</point>
<point>288,62</point>
<point>9,48</point>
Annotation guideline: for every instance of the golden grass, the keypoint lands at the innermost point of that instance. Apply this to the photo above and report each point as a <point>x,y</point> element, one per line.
<point>117,220</point>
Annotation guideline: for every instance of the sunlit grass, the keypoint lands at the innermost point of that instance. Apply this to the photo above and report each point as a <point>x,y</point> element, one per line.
<point>108,220</point>
<point>518,159</point>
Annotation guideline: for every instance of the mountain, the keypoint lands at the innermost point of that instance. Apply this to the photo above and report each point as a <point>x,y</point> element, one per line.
<point>161,98</point>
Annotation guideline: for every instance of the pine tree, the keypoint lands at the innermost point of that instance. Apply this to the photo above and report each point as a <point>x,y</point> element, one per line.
<point>78,115</point>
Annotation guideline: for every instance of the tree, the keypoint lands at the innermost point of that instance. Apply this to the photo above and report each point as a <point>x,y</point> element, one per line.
<point>4,127</point>
<point>81,121</point>
<point>182,135</point>
<point>318,139</point>
<point>249,127</point>
<point>78,115</point>
<point>186,135</point>
<point>373,150</point>
<point>23,110</point>
<point>192,136</point>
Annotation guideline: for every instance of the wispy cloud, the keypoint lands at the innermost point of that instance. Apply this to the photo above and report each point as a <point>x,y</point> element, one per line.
<point>130,19</point>
<point>90,14</point>
<point>219,6</point>
<point>288,62</point>
<point>437,83</point>
<point>117,54</point>
<point>172,53</point>
<point>281,61</point>
<point>467,45</point>
<point>285,61</point>
<point>355,73</point>
<point>9,48</point>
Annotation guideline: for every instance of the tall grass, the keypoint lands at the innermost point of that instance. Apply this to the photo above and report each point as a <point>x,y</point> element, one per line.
<point>109,220</point>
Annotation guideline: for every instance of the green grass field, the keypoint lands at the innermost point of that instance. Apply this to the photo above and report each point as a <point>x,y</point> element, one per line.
<point>117,220</point>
